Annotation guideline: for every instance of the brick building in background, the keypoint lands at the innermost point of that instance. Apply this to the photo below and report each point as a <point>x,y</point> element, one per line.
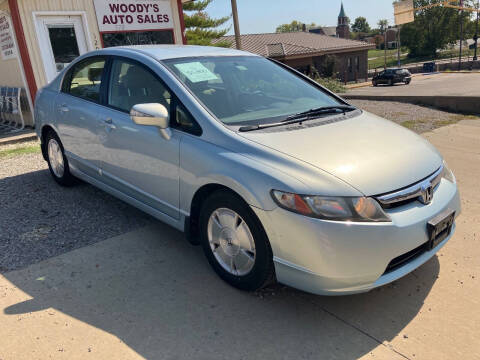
<point>307,51</point>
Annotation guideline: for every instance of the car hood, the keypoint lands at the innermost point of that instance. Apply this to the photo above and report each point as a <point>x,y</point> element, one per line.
<point>372,154</point>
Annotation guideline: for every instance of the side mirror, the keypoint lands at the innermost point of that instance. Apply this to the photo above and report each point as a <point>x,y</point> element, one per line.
<point>152,115</point>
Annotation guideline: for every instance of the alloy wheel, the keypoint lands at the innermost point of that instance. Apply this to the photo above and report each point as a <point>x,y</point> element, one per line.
<point>231,242</point>
<point>55,156</point>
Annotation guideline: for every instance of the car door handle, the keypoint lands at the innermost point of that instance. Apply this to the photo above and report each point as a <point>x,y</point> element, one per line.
<point>63,108</point>
<point>109,126</point>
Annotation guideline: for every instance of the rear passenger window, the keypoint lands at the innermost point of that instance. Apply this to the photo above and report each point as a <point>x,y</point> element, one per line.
<point>132,84</point>
<point>86,79</point>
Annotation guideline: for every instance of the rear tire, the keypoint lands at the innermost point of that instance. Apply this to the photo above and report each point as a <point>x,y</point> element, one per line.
<point>57,162</point>
<point>234,242</point>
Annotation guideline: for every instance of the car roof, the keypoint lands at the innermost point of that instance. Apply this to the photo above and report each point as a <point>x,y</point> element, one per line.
<point>164,52</point>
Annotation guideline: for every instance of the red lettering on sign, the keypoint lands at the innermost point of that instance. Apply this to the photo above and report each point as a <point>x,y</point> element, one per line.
<point>114,7</point>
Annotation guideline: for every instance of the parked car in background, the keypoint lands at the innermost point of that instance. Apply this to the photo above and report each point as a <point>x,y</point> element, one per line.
<point>392,77</point>
<point>275,176</point>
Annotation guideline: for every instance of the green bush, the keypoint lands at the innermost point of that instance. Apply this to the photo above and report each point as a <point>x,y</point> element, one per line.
<point>331,84</point>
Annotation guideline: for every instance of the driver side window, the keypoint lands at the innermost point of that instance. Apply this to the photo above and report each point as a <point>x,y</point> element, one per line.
<point>132,84</point>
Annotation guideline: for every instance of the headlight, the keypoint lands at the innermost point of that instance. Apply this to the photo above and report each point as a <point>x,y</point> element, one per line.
<point>358,209</point>
<point>448,174</point>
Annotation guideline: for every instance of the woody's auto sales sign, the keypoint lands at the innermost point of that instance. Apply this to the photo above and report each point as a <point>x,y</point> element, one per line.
<point>131,15</point>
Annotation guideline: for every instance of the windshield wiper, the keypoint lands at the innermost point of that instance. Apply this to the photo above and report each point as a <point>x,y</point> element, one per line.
<point>320,111</point>
<point>299,117</point>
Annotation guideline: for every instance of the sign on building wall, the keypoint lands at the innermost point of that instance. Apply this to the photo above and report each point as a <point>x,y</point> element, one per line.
<point>133,15</point>
<point>7,42</point>
<point>403,10</point>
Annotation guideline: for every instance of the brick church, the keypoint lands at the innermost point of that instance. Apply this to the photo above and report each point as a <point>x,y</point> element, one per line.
<point>343,28</point>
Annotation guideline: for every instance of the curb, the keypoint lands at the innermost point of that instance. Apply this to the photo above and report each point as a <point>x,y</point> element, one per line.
<point>18,138</point>
<point>457,104</point>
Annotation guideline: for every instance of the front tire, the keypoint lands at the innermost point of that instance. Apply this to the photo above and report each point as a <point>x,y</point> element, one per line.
<point>57,162</point>
<point>235,243</point>
<point>374,83</point>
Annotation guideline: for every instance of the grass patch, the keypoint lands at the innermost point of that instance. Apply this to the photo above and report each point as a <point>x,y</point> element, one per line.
<point>446,122</point>
<point>459,117</point>
<point>470,117</point>
<point>405,60</point>
<point>390,52</point>
<point>19,151</point>
<point>410,124</point>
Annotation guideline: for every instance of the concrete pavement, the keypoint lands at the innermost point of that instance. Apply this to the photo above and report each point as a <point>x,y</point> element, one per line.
<point>458,92</point>
<point>149,294</point>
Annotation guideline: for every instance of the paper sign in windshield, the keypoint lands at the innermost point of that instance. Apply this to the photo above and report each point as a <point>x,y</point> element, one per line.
<point>196,72</point>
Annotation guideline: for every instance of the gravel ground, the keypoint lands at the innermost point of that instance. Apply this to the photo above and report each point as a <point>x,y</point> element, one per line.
<point>417,118</point>
<point>39,219</point>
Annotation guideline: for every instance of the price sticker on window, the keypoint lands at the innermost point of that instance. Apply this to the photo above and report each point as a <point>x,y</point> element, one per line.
<point>196,72</point>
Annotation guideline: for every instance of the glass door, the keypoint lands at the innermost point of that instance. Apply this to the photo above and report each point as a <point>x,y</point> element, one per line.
<point>62,39</point>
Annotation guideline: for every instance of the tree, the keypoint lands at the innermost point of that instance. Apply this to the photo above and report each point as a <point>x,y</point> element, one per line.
<point>361,25</point>
<point>382,25</point>
<point>435,28</point>
<point>201,29</point>
<point>293,26</point>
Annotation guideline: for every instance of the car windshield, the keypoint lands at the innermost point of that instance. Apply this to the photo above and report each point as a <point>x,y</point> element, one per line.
<point>247,90</point>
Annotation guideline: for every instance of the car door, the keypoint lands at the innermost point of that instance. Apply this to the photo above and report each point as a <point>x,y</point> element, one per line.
<point>77,108</point>
<point>381,77</point>
<point>136,159</point>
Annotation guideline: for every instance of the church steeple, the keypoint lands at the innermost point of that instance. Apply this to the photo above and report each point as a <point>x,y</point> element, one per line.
<point>342,12</point>
<point>343,28</point>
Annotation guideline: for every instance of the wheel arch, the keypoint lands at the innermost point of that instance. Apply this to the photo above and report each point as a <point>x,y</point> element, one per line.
<point>202,193</point>
<point>43,134</point>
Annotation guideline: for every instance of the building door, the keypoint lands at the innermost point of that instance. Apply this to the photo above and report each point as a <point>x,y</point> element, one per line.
<point>61,40</point>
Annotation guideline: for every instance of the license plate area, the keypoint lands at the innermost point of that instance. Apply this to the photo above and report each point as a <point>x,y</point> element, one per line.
<point>440,227</point>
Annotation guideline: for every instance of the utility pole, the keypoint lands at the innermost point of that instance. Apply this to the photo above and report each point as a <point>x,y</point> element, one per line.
<point>461,38</point>
<point>385,47</point>
<point>236,26</point>
<point>476,31</point>
<point>399,27</point>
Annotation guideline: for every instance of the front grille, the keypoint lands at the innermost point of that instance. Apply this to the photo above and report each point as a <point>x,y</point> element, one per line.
<point>401,260</point>
<point>412,192</point>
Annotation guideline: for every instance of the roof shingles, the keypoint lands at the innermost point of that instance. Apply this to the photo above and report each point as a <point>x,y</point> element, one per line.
<point>295,43</point>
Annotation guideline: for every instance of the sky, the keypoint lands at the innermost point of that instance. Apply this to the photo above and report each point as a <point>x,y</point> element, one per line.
<point>259,16</point>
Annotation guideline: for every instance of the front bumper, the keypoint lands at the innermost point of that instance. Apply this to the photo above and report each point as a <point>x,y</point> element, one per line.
<point>339,258</point>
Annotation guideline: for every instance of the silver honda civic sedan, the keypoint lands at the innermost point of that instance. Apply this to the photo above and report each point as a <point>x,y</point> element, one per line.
<point>274,176</point>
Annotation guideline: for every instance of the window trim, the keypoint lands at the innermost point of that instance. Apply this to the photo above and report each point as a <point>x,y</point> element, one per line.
<point>67,79</point>
<point>175,101</point>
